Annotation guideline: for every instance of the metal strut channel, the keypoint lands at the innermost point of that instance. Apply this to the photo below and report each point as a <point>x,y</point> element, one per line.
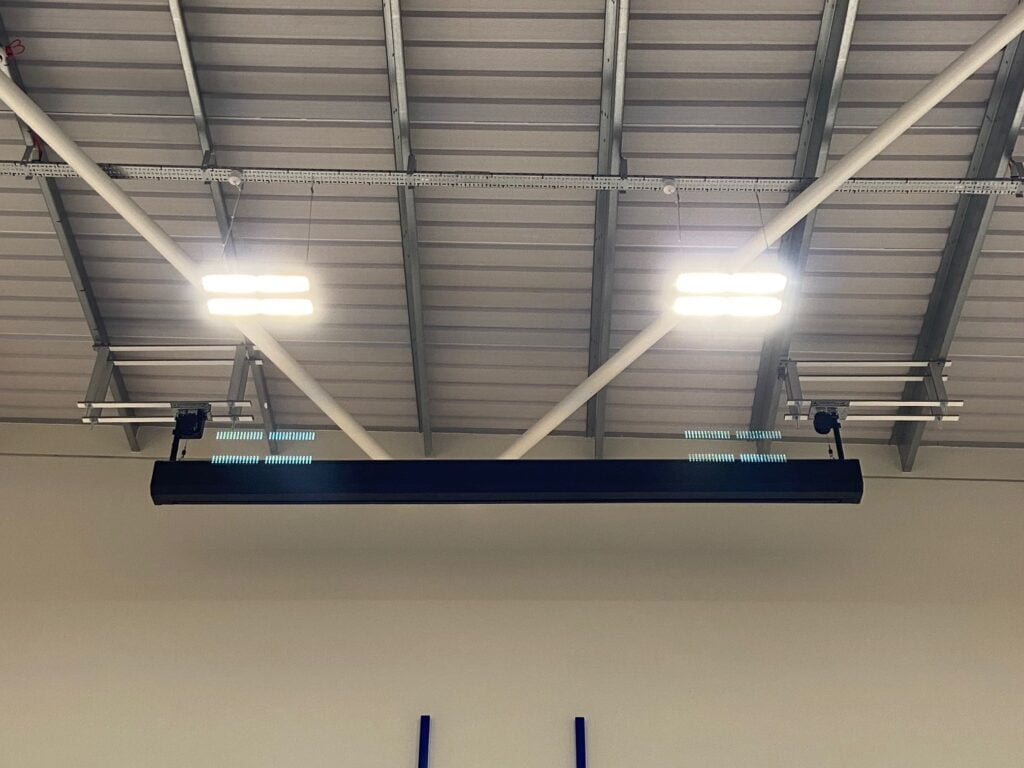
<point>609,162</point>
<point>104,377</point>
<point>994,145</point>
<point>834,36</point>
<point>195,97</point>
<point>405,161</point>
<point>694,184</point>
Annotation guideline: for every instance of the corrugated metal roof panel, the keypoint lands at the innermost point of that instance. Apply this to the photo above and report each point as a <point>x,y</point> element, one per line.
<point>711,88</point>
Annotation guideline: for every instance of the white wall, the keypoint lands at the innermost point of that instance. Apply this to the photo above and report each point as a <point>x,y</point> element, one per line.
<point>889,634</point>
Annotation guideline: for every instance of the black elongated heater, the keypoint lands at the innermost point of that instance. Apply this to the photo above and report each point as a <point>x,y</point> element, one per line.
<point>507,482</point>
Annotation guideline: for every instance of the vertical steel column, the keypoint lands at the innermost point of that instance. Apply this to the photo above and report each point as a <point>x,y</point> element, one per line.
<point>404,161</point>
<point>609,161</point>
<point>993,148</point>
<point>834,35</point>
<point>72,257</point>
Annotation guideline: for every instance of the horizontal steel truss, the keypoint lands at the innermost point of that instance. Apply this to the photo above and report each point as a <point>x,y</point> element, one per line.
<point>699,184</point>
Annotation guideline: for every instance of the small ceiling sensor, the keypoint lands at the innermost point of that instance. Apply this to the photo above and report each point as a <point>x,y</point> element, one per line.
<point>669,187</point>
<point>235,178</point>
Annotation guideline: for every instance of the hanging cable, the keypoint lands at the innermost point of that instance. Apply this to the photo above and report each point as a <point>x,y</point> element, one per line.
<point>231,225</point>
<point>309,222</point>
<point>679,216</point>
<point>760,215</point>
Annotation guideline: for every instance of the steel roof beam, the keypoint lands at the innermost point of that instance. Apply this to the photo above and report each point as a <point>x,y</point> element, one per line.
<point>609,162</point>
<point>143,223</point>
<point>708,185</point>
<point>833,47</point>
<point>962,67</point>
<point>69,250</point>
<point>195,97</point>
<point>404,161</point>
<point>992,150</point>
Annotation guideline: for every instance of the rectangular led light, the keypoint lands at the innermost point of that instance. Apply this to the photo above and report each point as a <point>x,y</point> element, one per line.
<point>229,283</point>
<point>282,284</point>
<point>755,283</point>
<point>286,307</point>
<point>727,306</point>
<point>247,307</point>
<point>248,284</point>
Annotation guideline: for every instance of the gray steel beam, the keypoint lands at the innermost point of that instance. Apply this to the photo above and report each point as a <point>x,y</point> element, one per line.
<point>69,250</point>
<point>993,149</point>
<point>404,161</point>
<point>609,163</point>
<point>833,47</point>
<point>259,381</point>
<point>195,98</point>
<point>704,185</point>
<point>220,209</point>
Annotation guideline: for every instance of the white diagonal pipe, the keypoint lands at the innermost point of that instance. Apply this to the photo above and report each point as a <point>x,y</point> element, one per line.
<point>965,65</point>
<point>142,222</point>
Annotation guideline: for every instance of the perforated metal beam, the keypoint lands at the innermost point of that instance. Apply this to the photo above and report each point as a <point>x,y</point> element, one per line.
<point>195,97</point>
<point>833,47</point>
<point>609,163</point>
<point>993,148</point>
<point>405,161</point>
<point>72,256</point>
<point>709,185</point>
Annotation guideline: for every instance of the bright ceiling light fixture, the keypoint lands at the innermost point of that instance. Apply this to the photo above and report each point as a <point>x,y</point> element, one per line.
<point>248,307</point>
<point>234,307</point>
<point>282,284</point>
<point>286,307</point>
<point>229,283</point>
<point>757,283</point>
<point>236,284</point>
<point>727,306</point>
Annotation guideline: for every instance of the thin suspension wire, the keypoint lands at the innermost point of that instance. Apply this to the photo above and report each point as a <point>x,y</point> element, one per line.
<point>309,222</point>
<point>760,215</point>
<point>231,226</point>
<point>679,216</point>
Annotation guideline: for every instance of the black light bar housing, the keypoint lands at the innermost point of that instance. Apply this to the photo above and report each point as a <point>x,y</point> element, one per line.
<point>508,482</point>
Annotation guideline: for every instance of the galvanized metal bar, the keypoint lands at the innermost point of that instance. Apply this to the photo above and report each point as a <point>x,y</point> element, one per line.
<point>239,378</point>
<point>992,150</point>
<point>101,404</point>
<point>484,180</point>
<point>69,247</point>
<point>161,419</point>
<point>172,348</point>
<point>259,381</point>
<point>833,46</point>
<point>220,207</point>
<point>404,161</point>
<point>900,418</point>
<point>195,98</point>
<point>99,379</point>
<point>609,162</point>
